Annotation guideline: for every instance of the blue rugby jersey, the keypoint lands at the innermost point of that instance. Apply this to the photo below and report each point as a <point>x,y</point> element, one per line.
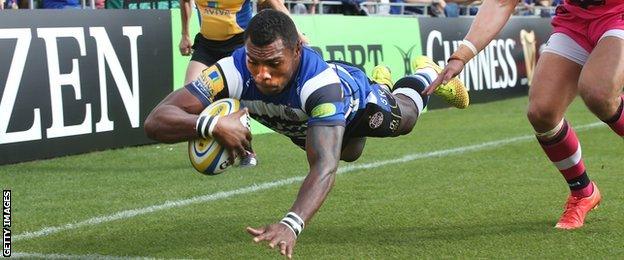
<point>319,94</point>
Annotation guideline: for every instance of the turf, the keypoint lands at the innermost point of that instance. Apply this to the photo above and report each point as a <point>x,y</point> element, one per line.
<point>497,201</point>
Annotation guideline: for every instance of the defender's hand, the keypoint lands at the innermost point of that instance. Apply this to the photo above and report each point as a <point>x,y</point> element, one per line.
<point>452,69</point>
<point>186,45</point>
<point>277,235</point>
<point>232,134</point>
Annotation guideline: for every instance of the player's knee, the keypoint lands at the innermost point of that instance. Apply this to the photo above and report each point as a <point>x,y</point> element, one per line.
<point>353,149</point>
<point>599,100</point>
<point>541,116</point>
<point>593,95</point>
<point>409,115</point>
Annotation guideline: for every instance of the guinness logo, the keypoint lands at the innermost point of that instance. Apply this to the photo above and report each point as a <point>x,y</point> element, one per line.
<point>527,39</point>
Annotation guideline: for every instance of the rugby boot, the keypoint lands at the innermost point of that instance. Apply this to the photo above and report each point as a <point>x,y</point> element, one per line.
<point>577,208</point>
<point>453,92</point>
<point>249,160</point>
<point>381,75</point>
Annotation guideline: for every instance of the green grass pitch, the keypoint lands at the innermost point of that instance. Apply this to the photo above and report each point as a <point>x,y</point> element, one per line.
<point>463,184</point>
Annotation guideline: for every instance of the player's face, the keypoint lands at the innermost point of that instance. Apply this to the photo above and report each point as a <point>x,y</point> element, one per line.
<point>272,66</point>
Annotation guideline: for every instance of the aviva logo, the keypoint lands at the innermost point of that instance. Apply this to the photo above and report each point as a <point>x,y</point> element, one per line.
<point>212,8</point>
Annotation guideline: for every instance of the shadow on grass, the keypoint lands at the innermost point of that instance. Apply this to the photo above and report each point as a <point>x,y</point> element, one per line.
<point>416,233</point>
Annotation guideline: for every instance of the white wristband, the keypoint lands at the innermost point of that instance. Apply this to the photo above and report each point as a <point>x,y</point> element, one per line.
<point>212,125</point>
<point>205,125</point>
<point>294,222</point>
<point>470,46</point>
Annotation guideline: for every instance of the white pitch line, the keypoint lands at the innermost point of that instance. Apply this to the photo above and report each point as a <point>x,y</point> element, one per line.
<point>64,256</point>
<point>267,185</point>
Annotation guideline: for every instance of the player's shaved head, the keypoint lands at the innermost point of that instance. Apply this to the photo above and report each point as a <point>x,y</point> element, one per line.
<point>269,25</point>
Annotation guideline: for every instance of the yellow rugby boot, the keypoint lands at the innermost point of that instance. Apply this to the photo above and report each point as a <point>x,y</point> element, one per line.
<point>381,75</point>
<point>452,92</point>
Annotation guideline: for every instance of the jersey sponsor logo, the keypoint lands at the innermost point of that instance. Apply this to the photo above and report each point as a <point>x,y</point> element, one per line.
<point>587,3</point>
<point>201,88</point>
<point>290,129</point>
<point>291,114</point>
<point>212,81</point>
<point>324,110</point>
<point>212,8</point>
<point>275,111</point>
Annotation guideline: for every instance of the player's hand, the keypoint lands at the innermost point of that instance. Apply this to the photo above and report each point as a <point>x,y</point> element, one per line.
<point>277,235</point>
<point>233,133</point>
<point>186,45</point>
<point>452,69</point>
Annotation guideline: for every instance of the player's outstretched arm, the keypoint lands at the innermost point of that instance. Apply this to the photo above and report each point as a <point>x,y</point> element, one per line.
<point>323,145</point>
<point>173,120</point>
<point>492,16</point>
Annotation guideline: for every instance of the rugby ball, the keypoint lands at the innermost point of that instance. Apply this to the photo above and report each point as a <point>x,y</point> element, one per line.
<point>207,155</point>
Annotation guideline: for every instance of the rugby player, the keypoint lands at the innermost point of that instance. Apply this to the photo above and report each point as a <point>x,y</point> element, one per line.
<point>328,109</point>
<point>584,56</point>
<point>222,24</point>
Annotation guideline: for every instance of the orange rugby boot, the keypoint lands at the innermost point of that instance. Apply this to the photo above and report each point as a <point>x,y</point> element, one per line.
<point>577,208</point>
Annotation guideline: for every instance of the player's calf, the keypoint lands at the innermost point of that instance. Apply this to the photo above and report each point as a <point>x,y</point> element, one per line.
<point>563,148</point>
<point>616,122</point>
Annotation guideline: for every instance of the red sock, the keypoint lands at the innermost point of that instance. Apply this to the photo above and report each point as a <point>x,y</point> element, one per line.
<point>564,150</point>
<point>617,121</point>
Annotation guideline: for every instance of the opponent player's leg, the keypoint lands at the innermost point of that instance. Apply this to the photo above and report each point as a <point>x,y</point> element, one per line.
<point>602,79</point>
<point>193,70</point>
<point>553,88</point>
<point>201,59</point>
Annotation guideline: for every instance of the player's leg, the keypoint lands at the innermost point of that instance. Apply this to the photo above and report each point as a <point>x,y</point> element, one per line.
<point>454,92</point>
<point>201,59</point>
<point>352,149</point>
<point>602,79</point>
<point>193,70</point>
<point>554,86</point>
<point>387,114</point>
<point>204,55</point>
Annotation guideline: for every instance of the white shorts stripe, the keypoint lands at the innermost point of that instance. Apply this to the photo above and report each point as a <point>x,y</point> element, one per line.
<point>569,162</point>
<point>566,47</point>
<point>619,33</point>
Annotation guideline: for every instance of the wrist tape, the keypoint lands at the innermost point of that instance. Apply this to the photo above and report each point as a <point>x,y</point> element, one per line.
<point>294,222</point>
<point>205,125</point>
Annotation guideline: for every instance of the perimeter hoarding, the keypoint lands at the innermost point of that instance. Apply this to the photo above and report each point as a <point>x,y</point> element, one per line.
<point>74,81</point>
